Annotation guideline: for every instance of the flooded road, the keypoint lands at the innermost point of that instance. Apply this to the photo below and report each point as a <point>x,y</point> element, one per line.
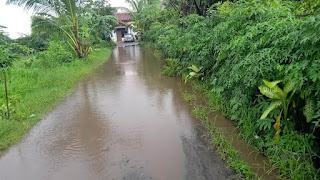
<point>124,121</point>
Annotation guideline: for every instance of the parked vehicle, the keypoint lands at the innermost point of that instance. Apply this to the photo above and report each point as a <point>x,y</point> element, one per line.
<point>129,38</point>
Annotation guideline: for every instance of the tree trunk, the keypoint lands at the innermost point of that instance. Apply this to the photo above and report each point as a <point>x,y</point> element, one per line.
<point>199,11</point>
<point>6,92</point>
<point>79,47</point>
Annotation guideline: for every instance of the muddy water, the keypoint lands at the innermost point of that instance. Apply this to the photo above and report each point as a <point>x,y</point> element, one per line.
<point>124,121</point>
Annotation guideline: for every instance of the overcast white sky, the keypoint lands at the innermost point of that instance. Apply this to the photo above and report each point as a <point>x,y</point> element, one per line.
<point>18,21</point>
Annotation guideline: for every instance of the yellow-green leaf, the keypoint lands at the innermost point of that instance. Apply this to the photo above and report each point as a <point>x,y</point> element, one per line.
<point>279,92</point>
<point>271,84</point>
<point>289,86</point>
<point>269,92</point>
<point>272,106</point>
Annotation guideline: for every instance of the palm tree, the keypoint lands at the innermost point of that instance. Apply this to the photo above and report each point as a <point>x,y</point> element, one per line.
<point>61,14</point>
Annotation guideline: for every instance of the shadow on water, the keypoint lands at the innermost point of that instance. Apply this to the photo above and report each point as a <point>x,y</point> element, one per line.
<point>124,121</point>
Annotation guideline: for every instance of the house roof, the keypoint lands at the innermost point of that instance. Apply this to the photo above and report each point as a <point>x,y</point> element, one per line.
<point>123,16</point>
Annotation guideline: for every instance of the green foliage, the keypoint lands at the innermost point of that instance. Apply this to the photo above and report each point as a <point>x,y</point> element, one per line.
<point>240,44</point>
<point>201,113</point>
<point>146,12</point>
<point>98,15</point>
<point>309,110</point>
<point>100,27</point>
<point>308,6</point>
<point>13,99</point>
<point>185,7</point>
<point>36,41</point>
<point>188,97</point>
<point>5,60</point>
<point>18,49</point>
<point>11,50</point>
<point>265,124</point>
<point>224,145</point>
<point>281,98</point>
<point>100,7</point>
<point>56,55</point>
<point>173,68</point>
<point>195,73</point>
<point>74,23</point>
<point>35,89</point>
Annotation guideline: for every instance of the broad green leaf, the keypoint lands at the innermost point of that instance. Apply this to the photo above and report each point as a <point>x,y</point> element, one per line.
<point>271,84</point>
<point>272,106</point>
<point>222,56</point>
<point>269,92</point>
<point>289,86</point>
<point>309,109</point>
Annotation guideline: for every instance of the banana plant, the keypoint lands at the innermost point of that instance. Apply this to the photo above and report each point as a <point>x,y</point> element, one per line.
<point>282,98</point>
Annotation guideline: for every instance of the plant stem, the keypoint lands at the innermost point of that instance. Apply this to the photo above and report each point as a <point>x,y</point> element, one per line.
<point>285,110</point>
<point>6,92</point>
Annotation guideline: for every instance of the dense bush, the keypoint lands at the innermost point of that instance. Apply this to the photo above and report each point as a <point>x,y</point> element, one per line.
<point>37,42</point>
<point>56,54</point>
<point>241,44</point>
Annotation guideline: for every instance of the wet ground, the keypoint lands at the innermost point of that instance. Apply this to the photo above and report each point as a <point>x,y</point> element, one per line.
<point>124,121</point>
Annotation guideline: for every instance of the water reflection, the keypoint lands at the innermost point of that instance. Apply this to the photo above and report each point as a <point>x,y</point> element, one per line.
<point>124,121</point>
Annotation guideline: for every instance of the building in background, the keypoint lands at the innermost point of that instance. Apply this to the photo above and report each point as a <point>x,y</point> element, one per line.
<point>125,26</point>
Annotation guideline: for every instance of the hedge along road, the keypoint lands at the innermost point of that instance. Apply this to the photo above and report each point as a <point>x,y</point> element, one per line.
<point>124,121</point>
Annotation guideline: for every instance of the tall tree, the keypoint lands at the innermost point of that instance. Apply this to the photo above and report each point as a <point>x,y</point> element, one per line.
<point>138,5</point>
<point>186,7</point>
<point>100,18</point>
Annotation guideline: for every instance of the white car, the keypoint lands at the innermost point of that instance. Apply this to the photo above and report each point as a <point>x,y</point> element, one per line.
<point>128,38</point>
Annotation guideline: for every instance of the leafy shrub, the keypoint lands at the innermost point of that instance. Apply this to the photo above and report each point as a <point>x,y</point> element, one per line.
<point>238,46</point>
<point>173,67</point>
<point>5,58</point>
<point>17,49</point>
<point>55,55</point>
<point>38,42</point>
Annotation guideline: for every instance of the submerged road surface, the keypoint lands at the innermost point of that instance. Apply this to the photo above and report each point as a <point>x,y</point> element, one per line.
<point>124,121</point>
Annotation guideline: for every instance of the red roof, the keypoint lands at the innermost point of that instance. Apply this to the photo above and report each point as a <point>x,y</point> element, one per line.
<point>123,16</point>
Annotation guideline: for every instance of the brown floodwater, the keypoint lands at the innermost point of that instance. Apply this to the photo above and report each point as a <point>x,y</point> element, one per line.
<point>123,121</point>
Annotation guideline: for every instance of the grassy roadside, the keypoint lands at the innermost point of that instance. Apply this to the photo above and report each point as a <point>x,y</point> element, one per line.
<point>218,140</point>
<point>285,168</point>
<point>34,91</point>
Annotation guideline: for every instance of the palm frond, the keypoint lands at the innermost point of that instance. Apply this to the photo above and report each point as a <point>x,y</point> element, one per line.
<point>36,5</point>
